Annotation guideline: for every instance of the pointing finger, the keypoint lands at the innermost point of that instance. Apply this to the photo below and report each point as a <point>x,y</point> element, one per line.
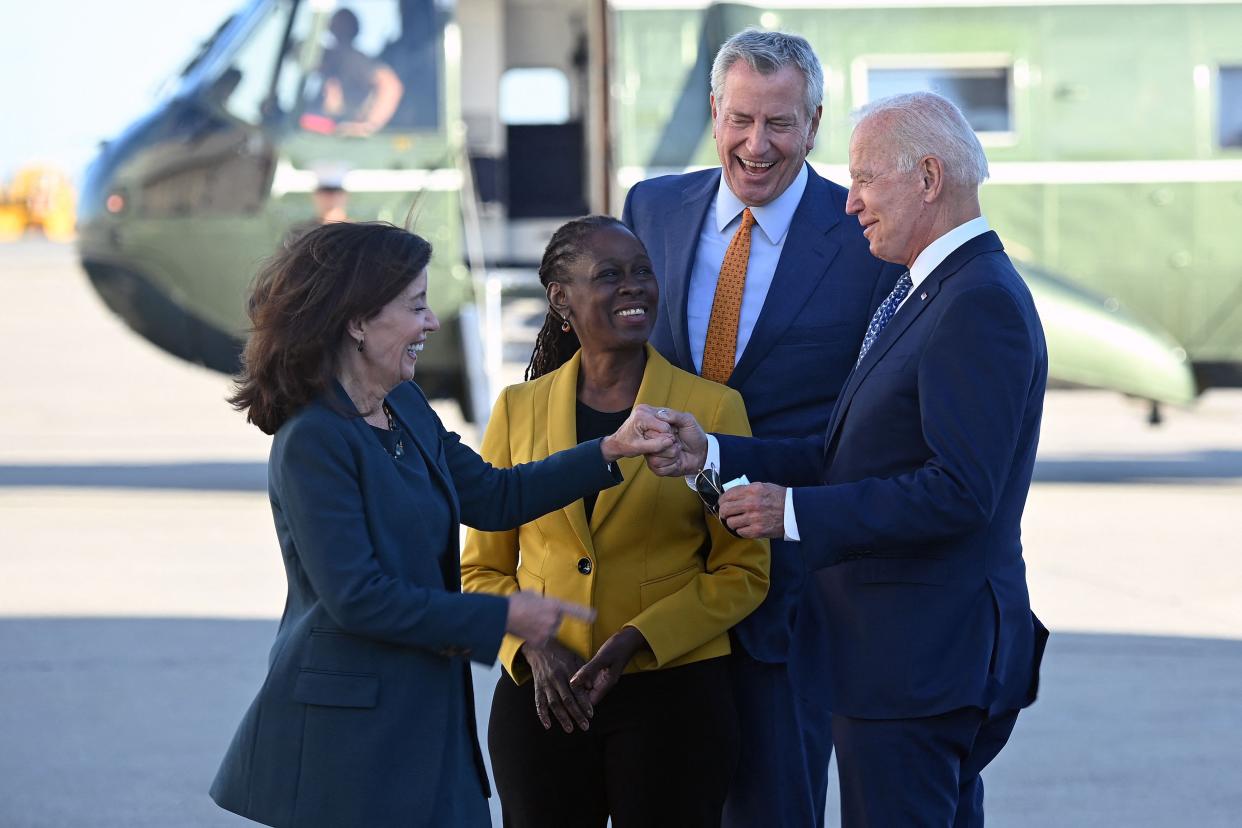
<point>574,610</point>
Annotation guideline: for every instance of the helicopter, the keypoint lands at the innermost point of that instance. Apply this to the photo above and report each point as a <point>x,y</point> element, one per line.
<point>1116,183</point>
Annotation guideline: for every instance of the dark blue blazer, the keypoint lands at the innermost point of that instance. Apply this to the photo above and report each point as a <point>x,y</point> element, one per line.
<point>911,508</point>
<point>349,728</point>
<point>824,291</point>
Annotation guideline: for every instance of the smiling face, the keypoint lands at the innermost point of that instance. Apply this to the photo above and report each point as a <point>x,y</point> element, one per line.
<point>394,337</point>
<point>763,132</point>
<point>610,296</point>
<point>890,204</point>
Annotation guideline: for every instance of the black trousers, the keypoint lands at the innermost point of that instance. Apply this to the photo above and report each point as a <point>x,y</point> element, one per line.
<point>661,751</point>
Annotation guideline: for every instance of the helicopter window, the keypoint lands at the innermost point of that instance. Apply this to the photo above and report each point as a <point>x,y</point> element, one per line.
<point>982,93</point>
<point>1230,111</point>
<point>206,46</point>
<point>245,87</point>
<point>534,96</point>
<point>378,67</point>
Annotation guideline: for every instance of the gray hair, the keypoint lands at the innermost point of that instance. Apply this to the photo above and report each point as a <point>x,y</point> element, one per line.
<point>769,52</point>
<point>920,124</point>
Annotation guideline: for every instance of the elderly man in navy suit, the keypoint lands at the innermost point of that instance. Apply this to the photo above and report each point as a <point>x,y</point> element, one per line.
<point>908,510</point>
<point>767,287</point>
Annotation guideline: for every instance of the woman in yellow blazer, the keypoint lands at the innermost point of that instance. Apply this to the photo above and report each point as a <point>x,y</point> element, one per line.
<point>647,732</point>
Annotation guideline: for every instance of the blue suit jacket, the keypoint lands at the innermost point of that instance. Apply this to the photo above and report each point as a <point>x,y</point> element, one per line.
<point>349,727</point>
<point>911,514</point>
<point>826,286</point>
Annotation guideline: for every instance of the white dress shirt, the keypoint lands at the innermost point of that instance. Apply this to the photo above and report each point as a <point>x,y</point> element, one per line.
<point>927,261</point>
<point>766,243</point>
<point>939,250</point>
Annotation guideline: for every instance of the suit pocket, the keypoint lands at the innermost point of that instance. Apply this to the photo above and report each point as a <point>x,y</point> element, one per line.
<point>332,689</point>
<point>336,651</point>
<point>649,592</point>
<point>900,571</point>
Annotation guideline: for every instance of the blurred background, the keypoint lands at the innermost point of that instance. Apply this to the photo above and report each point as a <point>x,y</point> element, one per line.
<point>154,155</point>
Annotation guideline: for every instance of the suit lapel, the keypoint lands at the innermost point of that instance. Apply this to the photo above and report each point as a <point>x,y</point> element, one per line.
<point>804,261</point>
<point>417,422</point>
<point>919,299</point>
<point>654,391</point>
<point>684,223</point>
<point>563,434</point>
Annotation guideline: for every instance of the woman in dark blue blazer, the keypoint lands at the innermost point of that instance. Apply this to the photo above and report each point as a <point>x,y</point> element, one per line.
<point>366,716</point>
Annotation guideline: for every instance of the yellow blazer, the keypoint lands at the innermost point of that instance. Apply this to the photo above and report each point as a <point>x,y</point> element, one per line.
<point>657,560</point>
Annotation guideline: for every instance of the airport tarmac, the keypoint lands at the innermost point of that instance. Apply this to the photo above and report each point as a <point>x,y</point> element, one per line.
<point>140,583</point>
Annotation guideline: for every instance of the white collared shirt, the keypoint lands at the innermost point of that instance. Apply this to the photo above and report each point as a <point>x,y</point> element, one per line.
<point>927,261</point>
<point>724,217</point>
<point>936,252</point>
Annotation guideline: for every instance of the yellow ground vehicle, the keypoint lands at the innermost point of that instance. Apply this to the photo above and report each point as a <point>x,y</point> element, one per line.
<point>38,197</point>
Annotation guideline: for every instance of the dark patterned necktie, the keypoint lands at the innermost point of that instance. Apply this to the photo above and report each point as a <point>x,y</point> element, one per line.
<point>884,314</point>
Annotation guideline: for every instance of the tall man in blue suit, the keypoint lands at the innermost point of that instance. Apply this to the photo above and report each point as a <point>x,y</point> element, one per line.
<point>909,509</point>
<point>767,287</point>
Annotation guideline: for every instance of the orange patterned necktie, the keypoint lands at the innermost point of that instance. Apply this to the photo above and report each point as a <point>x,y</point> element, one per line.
<point>720,347</point>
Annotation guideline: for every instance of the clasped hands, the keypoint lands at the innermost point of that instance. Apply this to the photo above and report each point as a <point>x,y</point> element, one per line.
<point>675,445</point>
<point>567,689</point>
<point>564,686</point>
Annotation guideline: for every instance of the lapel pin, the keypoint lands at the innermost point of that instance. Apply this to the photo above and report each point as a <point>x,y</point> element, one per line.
<point>923,296</point>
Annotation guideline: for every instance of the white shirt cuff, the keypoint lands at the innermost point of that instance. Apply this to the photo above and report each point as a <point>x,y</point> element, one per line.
<point>791,522</point>
<point>713,459</point>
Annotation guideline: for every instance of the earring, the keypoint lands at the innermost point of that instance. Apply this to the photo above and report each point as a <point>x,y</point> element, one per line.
<point>565,325</point>
<point>361,347</point>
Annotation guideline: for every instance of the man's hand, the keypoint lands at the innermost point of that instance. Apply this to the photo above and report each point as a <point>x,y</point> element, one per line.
<point>551,667</point>
<point>642,433</point>
<point>688,452</point>
<point>536,619</point>
<point>602,672</point>
<point>756,510</point>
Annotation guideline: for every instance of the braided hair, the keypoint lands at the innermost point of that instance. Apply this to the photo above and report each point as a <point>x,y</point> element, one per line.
<point>554,346</point>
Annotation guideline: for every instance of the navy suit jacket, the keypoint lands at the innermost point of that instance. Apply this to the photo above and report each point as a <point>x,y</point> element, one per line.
<point>349,728</point>
<point>911,508</point>
<point>824,291</point>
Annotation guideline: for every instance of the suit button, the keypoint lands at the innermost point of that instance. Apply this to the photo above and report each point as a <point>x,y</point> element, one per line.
<point>584,565</point>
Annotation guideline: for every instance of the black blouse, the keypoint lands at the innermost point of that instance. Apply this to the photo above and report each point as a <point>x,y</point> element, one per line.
<point>592,425</point>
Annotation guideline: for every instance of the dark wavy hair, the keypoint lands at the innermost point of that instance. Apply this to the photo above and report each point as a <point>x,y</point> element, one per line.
<point>555,346</point>
<point>300,307</point>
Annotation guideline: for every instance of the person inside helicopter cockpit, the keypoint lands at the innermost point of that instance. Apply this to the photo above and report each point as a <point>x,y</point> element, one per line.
<point>358,93</point>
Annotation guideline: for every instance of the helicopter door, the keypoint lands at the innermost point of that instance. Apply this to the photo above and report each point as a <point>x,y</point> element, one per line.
<point>526,102</point>
<point>545,145</point>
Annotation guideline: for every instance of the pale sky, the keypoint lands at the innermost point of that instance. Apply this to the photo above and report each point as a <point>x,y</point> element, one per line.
<point>75,72</point>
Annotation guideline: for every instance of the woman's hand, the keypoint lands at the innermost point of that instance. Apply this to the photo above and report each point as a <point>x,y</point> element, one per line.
<point>642,433</point>
<point>552,665</point>
<point>603,671</point>
<point>536,619</point>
